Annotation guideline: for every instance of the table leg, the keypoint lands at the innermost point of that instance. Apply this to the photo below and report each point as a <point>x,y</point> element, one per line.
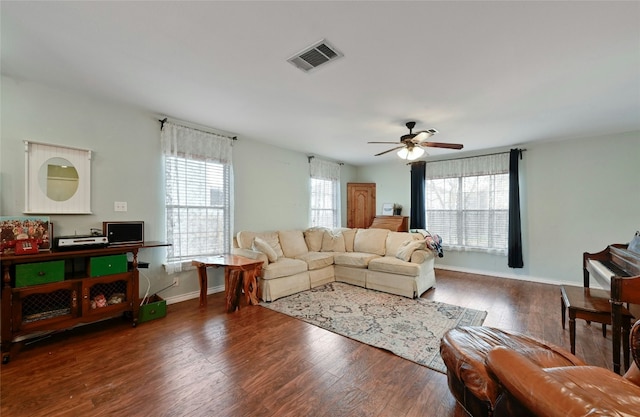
<point>233,289</point>
<point>202,278</point>
<point>257,277</point>
<point>251,287</point>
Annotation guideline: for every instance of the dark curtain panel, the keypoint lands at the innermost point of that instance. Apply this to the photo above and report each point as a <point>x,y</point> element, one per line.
<point>515,232</point>
<point>417,214</point>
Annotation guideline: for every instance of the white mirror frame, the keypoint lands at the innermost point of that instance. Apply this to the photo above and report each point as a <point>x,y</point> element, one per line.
<point>36,200</point>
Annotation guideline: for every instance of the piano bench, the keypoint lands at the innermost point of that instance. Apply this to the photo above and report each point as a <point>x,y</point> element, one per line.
<point>592,304</point>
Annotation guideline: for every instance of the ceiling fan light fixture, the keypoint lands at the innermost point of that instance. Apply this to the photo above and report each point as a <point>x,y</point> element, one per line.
<point>412,143</point>
<point>415,153</point>
<point>410,155</point>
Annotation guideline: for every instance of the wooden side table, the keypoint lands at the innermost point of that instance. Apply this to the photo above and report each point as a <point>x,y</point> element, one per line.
<point>240,274</point>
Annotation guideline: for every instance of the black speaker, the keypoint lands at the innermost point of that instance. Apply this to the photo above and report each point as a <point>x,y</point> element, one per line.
<point>123,233</point>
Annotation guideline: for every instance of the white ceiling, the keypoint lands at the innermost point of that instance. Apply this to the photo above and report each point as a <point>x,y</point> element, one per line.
<point>485,74</point>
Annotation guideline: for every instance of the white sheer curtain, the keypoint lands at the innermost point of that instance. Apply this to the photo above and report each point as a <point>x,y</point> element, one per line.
<point>325,193</point>
<point>199,194</point>
<point>195,144</point>
<point>468,167</point>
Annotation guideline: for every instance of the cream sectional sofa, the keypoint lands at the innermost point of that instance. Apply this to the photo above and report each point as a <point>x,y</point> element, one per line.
<point>379,259</point>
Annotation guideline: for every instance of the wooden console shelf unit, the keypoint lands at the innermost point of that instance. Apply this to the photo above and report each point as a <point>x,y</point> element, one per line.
<point>393,223</point>
<point>56,289</point>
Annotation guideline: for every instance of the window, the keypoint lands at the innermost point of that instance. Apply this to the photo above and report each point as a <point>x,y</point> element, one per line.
<point>467,203</point>
<point>197,207</point>
<point>198,183</point>
<point>325,193</point>
<point>323,203</point>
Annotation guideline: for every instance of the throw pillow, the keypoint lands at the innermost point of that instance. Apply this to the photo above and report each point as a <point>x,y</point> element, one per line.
<point>407,248</point>
<point>262,246</point>
<point>333,242</point>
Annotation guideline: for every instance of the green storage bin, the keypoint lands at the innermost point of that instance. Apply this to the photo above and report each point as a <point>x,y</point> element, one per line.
<point>154,308</point>
<point>39,273</point>
<point>107,265</point>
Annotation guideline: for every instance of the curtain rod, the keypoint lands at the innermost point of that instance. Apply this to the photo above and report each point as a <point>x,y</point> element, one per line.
<point>163,121</point>
<point>310,157</point>
<point>478,156</point>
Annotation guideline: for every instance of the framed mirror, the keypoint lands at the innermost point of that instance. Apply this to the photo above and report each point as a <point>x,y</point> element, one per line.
<point>57,179</point>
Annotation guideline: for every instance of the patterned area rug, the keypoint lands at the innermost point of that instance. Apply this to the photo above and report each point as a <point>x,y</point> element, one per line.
<point>411,329</point>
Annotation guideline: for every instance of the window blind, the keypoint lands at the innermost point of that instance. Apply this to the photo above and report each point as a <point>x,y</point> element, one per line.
<point>199,194</point>
<point>468,202</point>
<point>325,193</point>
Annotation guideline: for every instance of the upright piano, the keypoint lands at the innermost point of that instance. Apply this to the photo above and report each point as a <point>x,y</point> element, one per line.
<point>618,269</point>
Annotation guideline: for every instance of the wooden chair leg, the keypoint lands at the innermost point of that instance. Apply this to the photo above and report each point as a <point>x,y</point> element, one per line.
<point>563,310</point>
<point>572,332</point>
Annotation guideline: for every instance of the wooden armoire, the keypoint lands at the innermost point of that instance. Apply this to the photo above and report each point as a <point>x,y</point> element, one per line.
<point>361,204</point>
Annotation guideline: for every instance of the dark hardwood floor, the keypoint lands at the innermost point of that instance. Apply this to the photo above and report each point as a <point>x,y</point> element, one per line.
<point>257,362</point>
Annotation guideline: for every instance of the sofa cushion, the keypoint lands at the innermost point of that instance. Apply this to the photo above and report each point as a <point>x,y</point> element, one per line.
<point>283,267</point>
<point>292,243</point>
<point>394,265</point>
<point>397,239</point>
<point>349,237</point>
<point>354,259</point>
<point>313,237</point>
<point>333,242</point>
<point>421,256</point>
<point>316,260</point>
<point>261,246</point>
<point>245,240</point>
<point>408,247</point>
<point>370,241</point>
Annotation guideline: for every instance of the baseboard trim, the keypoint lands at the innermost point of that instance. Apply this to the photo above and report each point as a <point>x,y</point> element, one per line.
<point>528,278</point>
<point>193,294</point>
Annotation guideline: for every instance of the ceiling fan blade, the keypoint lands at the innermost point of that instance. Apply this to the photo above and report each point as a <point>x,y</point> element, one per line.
<point>397,143</point>
<point>390,150</point>
<point>441,145</point>
<point>421,136</point>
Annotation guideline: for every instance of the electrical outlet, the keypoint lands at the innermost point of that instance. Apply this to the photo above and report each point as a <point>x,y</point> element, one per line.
<point>120,206</point>
<point>176,282</point>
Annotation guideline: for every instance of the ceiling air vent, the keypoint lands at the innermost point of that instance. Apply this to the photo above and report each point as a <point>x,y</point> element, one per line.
<point>315,55</point>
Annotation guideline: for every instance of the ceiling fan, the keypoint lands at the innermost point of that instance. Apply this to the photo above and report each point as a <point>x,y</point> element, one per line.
<point>413,143</point>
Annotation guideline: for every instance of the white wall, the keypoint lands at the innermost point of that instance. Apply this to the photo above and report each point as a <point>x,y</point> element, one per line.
<point>582,195</point>
<point>272,187</point>
<point>577,195</point>
<point>125,160</point>
<point>271,184</point>
<point>393,183</point>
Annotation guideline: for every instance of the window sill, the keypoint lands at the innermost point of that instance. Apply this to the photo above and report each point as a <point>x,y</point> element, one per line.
<point>175,267</point>
<point>498,252</point>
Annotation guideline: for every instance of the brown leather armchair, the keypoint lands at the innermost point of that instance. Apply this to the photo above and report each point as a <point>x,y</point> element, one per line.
<point>566,391</point>
<point>464,350</point>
